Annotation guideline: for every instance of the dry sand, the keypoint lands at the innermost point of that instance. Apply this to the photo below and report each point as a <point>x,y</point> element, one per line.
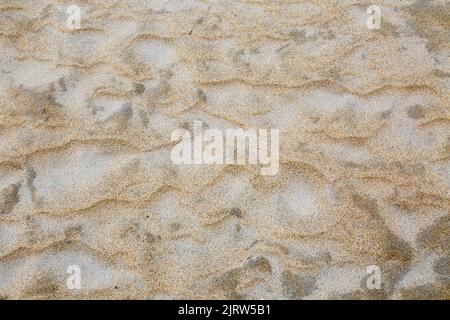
<point>86,177</point>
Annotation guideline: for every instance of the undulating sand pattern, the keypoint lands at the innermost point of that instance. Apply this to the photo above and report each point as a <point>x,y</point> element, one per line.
<point>86,178</point>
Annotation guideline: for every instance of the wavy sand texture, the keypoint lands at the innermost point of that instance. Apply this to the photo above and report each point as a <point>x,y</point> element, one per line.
<point>86,177</point>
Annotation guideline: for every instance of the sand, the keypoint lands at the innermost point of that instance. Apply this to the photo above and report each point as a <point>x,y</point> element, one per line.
<point>86,178</point>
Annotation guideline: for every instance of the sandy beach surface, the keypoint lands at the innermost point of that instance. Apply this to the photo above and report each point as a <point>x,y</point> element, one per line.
<point>93,207</point>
